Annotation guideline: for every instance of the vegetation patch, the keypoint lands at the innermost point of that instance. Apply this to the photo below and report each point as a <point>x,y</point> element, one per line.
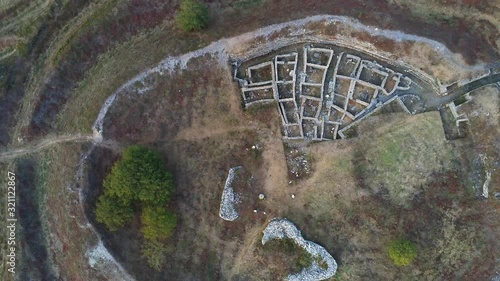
<point>193,15</point>
<point>139,182</point>
<point>402,252</point>
<point>289,253</point>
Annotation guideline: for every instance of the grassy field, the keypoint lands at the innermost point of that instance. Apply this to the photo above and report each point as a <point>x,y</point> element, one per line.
<point>79,114</point>
<point>355,206</point>
<point>402,155</point>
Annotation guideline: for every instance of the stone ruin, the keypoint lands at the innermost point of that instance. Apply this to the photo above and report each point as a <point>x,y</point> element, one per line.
<point>283,228</point>
<point>320,93</point>
<point>229,198</point>
<point>454,120</point>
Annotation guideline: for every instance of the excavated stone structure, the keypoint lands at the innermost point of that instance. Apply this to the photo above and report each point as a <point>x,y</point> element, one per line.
<point>320,93</point>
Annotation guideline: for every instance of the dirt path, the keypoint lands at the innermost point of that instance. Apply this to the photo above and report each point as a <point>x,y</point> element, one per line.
<point>469,87</point>
<point>29,148</point>
<point>197,133</point>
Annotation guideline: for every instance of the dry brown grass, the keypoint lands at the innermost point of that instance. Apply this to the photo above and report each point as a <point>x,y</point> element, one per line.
<point>341,209</point>
<point>484,115</point>
<point>61,211</point>
<point>199,125</point>
<point>390,181</point>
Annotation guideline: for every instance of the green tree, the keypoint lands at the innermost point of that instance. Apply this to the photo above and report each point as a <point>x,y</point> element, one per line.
<point>112,212</point>
<point>158,223</point>
<point>155,253</point>
<point>193,15</point>
<point>402,252</point>
<point>139,180</point>
<point>140,175</point>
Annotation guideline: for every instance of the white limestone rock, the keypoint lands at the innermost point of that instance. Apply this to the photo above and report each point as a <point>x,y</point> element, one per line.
<point>283,228</point>
<point>229,198</point>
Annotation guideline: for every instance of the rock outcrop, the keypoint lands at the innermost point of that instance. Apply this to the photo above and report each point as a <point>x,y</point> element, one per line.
<point>229,198</point>
<point>283,228</point>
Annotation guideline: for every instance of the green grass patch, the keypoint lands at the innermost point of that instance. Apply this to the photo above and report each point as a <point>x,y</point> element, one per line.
<point>391,154</point>
<point>404,155</point>
<point>211,267</point>
<point>343,163</point>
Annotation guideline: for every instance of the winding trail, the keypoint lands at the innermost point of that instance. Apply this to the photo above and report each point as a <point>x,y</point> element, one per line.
<point>34,147</point>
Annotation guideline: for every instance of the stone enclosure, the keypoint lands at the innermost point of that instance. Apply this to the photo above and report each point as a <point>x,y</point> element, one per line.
<point>321,91</point>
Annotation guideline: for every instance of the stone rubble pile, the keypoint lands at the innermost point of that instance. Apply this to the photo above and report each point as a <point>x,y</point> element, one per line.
<point>283,228</point>
<point>229,198</point>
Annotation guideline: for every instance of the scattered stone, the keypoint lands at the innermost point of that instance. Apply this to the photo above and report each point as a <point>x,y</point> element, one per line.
<point>293,196</point>
<point>229,198</point>
<point>297,163</point>
<point>283,228</point>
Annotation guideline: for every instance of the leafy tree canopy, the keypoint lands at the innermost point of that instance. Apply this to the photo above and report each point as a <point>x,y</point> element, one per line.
<point>155,253</point>
<point>193,15</point>
<point>113,213</point>
<point>140,180</point>
<point>140,175</point>
<point>158,223</point>
<point>402,252</point>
